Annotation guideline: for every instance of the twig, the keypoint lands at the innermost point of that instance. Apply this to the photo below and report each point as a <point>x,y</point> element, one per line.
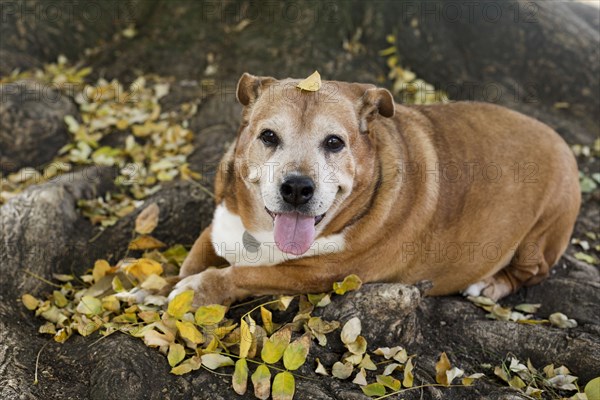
<point>37,363</point>
<point>418,387</point>
<point>36,276</point>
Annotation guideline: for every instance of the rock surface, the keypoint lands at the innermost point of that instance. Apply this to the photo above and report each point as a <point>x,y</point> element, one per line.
<point>555,55</point>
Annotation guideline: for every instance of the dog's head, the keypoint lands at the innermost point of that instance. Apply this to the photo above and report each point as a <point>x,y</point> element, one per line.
<point>302,154</point>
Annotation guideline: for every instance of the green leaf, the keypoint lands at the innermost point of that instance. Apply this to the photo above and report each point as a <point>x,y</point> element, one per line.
<point>261,379</point>
<point>295,354</point>
<point>374,390</point>
<point>283,386</point>
<point>240,376</point>
<point>592,389</point>
<point>181,304</point>
<point>210,315</point>
<point>176,254</point>
<point>274,347</point>
<point>176,354</point>
<point>351,282</point>
<point>388,381</point>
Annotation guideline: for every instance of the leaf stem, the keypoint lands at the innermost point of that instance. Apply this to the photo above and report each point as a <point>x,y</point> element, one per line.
<point>418,387</point>
<point>41,279</point>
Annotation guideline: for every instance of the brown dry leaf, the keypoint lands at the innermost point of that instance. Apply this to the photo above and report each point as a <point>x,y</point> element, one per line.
<point>441,367</point>
<point>146,242</point>
<point>147,220</point>
<point>261,380</point>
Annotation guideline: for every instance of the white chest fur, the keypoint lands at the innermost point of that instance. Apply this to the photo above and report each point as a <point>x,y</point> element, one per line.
<point>242,248</point>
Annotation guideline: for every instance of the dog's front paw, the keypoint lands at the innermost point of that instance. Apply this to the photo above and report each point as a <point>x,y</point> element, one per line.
<point>210,287</point>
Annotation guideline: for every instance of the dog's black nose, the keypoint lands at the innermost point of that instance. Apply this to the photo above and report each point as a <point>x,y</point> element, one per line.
<point>297,190</point>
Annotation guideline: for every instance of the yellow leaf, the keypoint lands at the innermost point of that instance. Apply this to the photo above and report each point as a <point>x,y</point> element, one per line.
<point>210,315</point>
<point>312,83</point>
<point>176,354</point>
<point>89,305</point>
<point>191,364</point>
<point>274,347</point>
<point>147,220</point>
<point>188,331</point>
<point>267,319</point>
<point>283,386</point>
<point>181,304</point>
<point>146,242</point>
<point>143,268</point>
<point>359,346</point>
<point>117,285</point>
<point>367,363</point>
<point>388,381</point>
<point>342,371</point>
<point>59,299</point>
<point>441,367</point>
<point>246,338</point>
<point>101,268</point>
<point>111,303</point>
<point>468,380</point>
<point>30,302</point>
<point>351,282</point>
<point>154,282</point>
<point>261,379</point>
<point>295,353</point>
<point>240,376</point>
<point>408,375</point>
<point>592,389</point>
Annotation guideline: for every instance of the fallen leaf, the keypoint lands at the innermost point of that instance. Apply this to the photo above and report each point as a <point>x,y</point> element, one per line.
<point>592,389</point>
<point>350,283</point>
<point>390,368</point>
<point>389,382</point>
<point>351,330</point>
<point>188,331</point>
<point>261,379</point>
<point>528,308</point>
<point>210,315</point>
<point>342,371</point>
<point>146,242</point>
<point>321,369</point>
<point>360,378</point>
<point>267,319</point>
<point>191,364</point>
<point>388,352</point>
<point>367,363</point>
<point>89,305</point>
<point>560,320</point>
<point>359,346</point>
<point>374,390</point>
<point>408,375</point>
<point>441,367</point>
<point>283,386</point>
<point>101,268</point>
<point>295,353</point>
<point>147,220</point>
<point>30,302</point>
<point>176,354</point>
<point>246,338</point>
<point>240,376</point>
<point>216,360</point>
<point>274,347</point>
<point>143,268</point>
<point>181,304</point>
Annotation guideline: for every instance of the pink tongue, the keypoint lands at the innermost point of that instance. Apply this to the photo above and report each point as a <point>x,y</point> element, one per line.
<point>294,233</point>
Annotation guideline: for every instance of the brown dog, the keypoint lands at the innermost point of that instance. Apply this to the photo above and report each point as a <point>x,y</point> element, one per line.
<point>319,185</point>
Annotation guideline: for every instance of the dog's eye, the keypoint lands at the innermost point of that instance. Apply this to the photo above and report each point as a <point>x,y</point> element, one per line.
<point>334,144</point>
<point>269,138</point>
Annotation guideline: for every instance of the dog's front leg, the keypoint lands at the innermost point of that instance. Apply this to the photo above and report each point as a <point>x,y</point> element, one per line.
<point>226,285</point>
<point>201,256</point>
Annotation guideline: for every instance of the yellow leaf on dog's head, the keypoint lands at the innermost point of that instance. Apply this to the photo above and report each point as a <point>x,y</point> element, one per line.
<point>312,83</point>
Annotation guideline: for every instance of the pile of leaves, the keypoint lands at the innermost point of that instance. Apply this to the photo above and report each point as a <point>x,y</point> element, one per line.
<point>151,145</point>
<point>406,85</point>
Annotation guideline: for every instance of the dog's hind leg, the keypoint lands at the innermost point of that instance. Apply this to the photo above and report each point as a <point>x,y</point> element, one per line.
<point>536,254</point>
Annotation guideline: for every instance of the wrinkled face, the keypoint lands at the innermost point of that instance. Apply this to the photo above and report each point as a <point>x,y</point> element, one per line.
<point>300,154</point>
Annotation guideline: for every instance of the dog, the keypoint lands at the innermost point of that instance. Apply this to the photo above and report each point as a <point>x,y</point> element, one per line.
<point>473,197</point>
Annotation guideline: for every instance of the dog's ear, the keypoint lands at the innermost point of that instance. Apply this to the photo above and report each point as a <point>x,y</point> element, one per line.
<point>375,101</point>
<point>249,87</point>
